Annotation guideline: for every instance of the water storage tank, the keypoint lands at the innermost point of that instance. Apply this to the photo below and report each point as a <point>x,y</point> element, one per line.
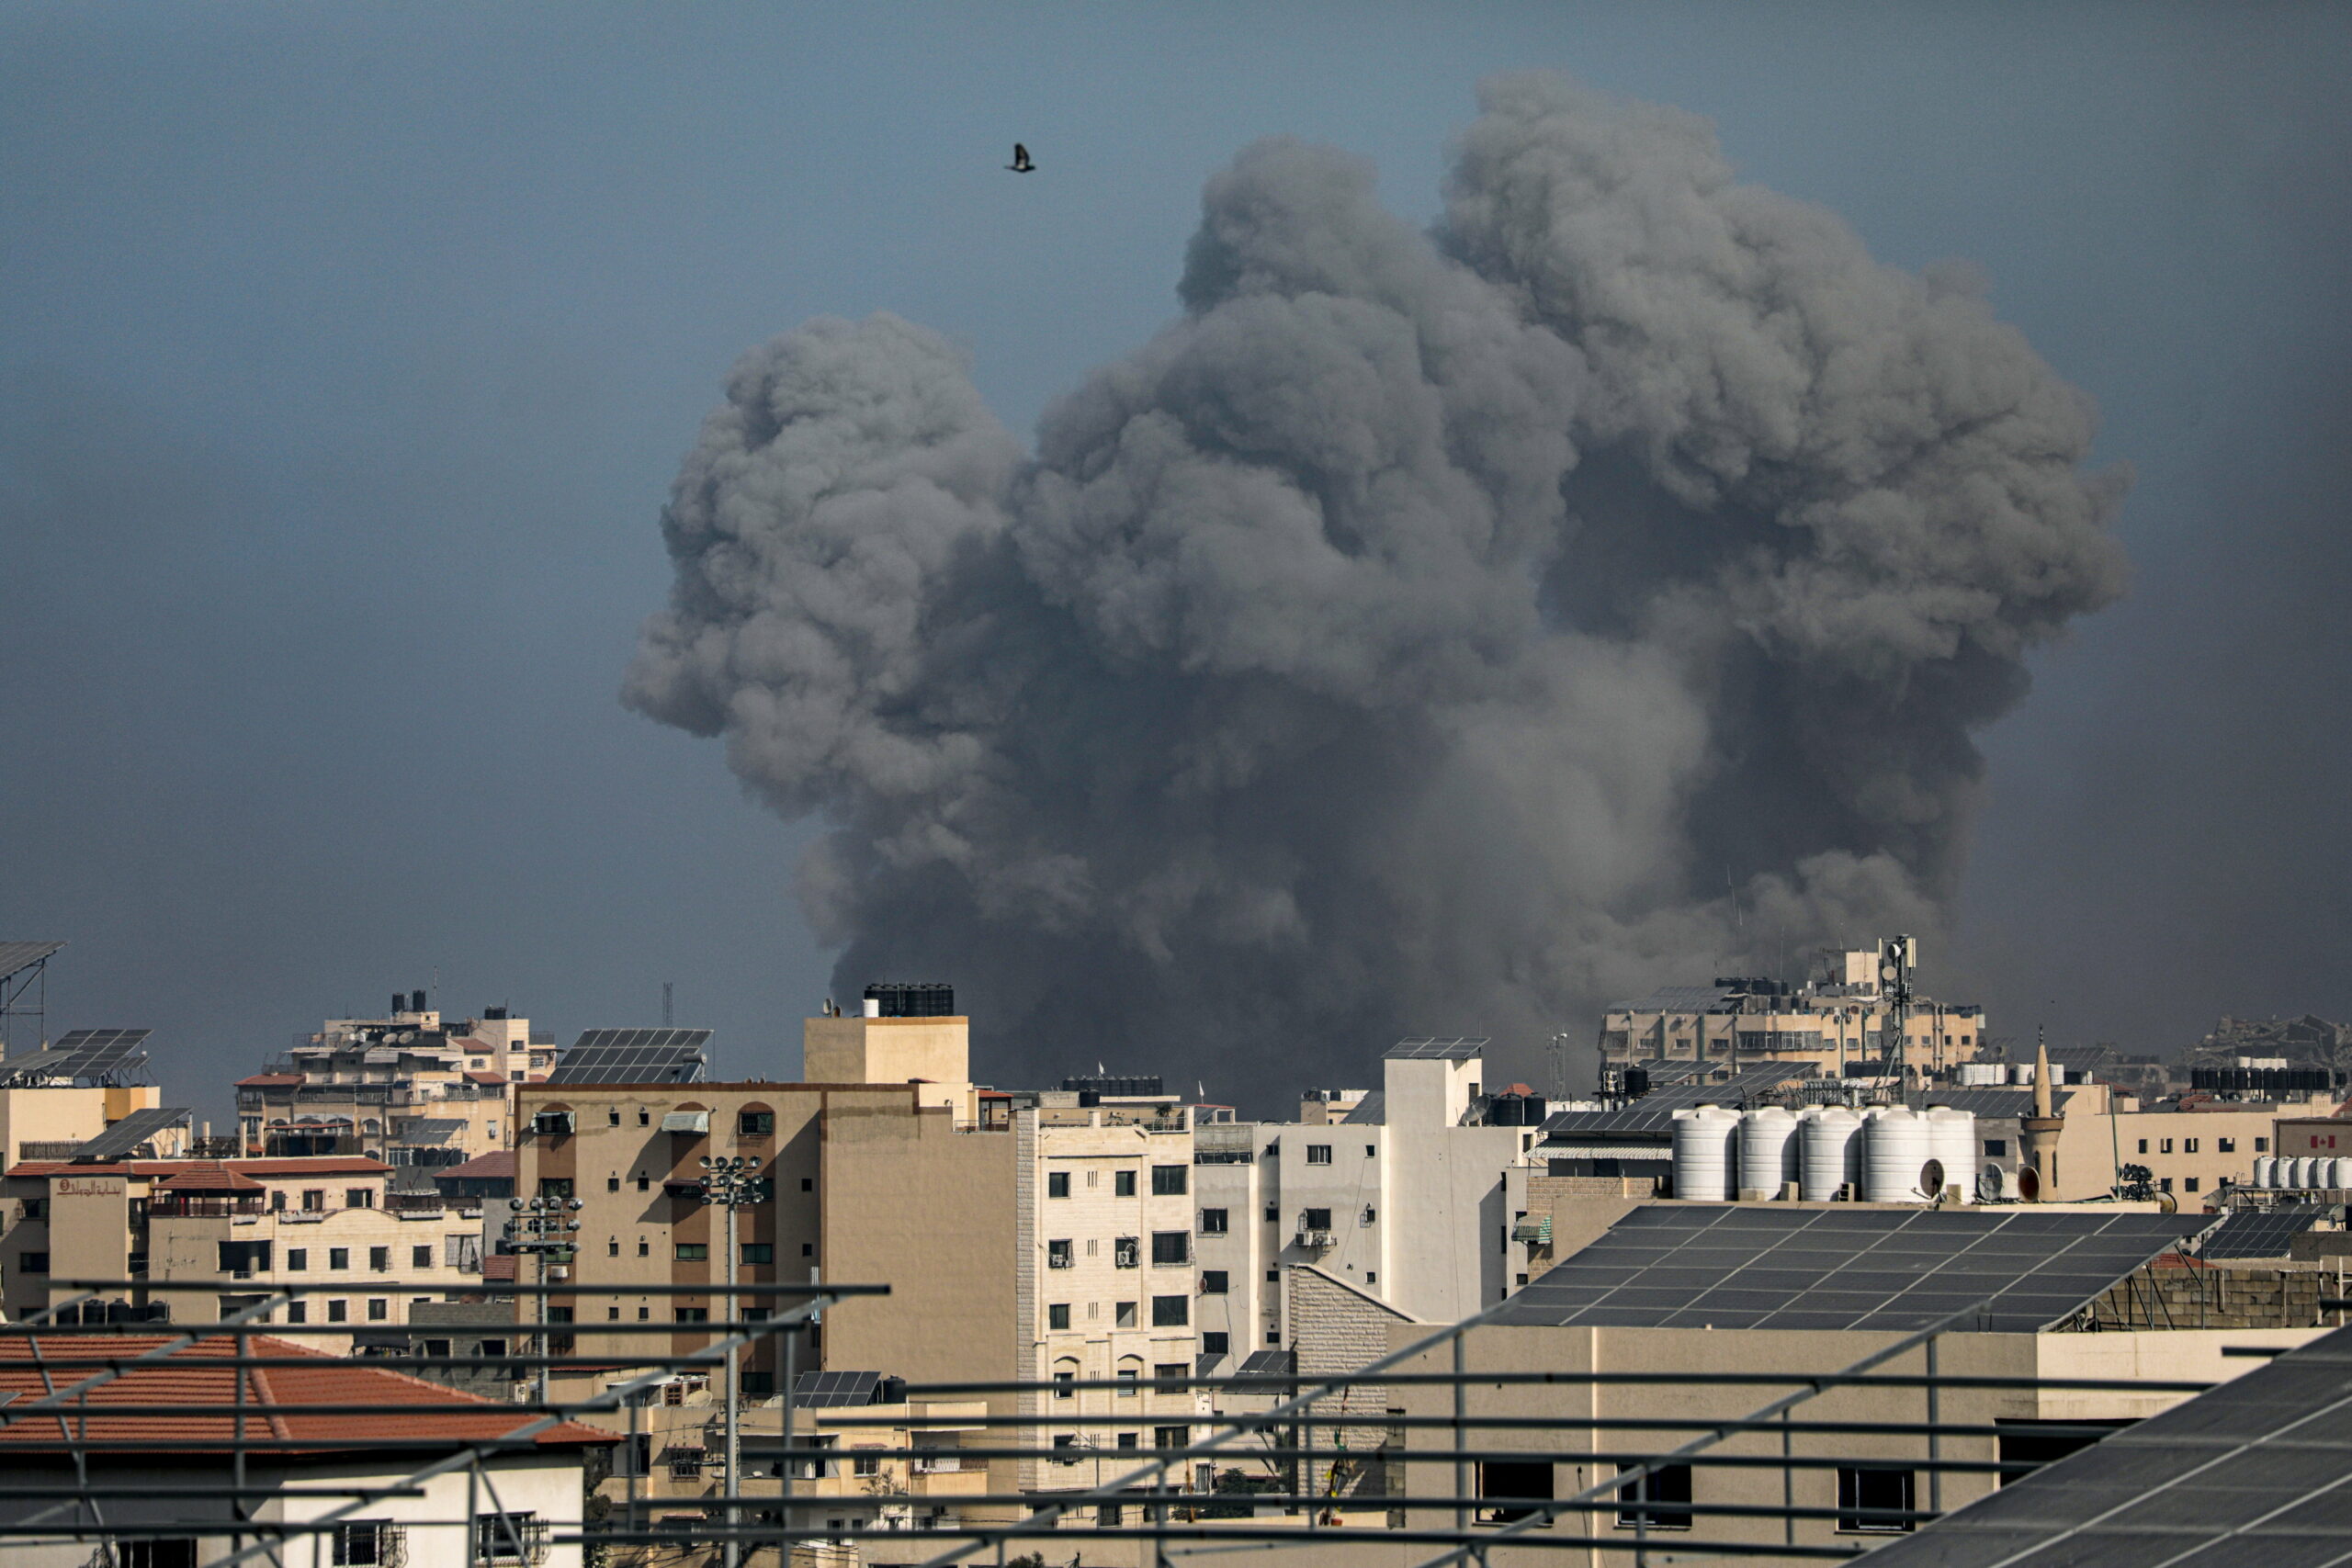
<point>1703,1166</point>
<point>1979,1073</point>
<point>1894,1149</point>
<point>2339,1174</point>
<point>1952,1142</point>
<point>2306,1173</point>
<point>2266,1171</point>
<point>1829,1158</point>
<point>1767,1152</point>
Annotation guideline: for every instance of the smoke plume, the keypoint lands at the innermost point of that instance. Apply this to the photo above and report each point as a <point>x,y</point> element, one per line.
<point>1427,632</point>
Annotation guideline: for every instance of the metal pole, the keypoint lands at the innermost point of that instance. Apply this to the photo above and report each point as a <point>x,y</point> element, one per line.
<point>1460,1437</point>
<point>542,1315</point>
<point>1935,1441</point>
<point>791,1376</point>
<point>734,1391</point>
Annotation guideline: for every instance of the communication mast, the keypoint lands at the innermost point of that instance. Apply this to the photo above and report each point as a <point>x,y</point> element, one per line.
<point>1557,1057</point>
<point>1897,957</point>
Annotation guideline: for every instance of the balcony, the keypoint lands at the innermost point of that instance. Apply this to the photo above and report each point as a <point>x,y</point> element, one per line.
<point>510,1539</point>
<point>172,1207</point>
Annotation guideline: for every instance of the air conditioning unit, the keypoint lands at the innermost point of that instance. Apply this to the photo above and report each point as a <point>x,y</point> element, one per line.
<point>1318,1241</point>
<point>686,1122</point>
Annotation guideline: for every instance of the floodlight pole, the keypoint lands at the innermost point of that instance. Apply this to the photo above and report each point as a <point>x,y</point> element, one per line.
<point>728,1181</point>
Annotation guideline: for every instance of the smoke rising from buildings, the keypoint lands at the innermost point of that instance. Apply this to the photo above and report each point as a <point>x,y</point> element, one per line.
<point>1427,632</point>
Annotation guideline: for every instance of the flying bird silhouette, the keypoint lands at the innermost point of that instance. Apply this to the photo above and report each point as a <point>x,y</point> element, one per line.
<point>1020,163</point>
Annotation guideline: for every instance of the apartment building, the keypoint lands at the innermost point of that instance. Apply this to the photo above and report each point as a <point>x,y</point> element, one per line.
<point>411,1088</point>
<point>213,1236</point>
<point>1835,1021</point>
<point>1402,1196</point>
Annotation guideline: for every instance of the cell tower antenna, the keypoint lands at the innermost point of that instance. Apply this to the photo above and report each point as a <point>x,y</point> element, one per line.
<point>665,1004</point>
<point>1558,1052</point>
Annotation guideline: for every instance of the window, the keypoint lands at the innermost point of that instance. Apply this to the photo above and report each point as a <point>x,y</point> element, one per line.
<point>1274,1336</point>
<point>365,1197</point>
<point>807,1184</point>
<point>1063,1443</point>
<point>644,1117</point>
<point>694,1314</point>
<point>2189,1145</point>
<point>2167,1146</point>
<point>338,1312</point>
<point>379,1310</point>
<point>314,1199</point>
<point>1130,1378</point>
<point>297,1259</point>
<point>1318,1154</point>
<point>1273,1213</point>
<point>1123,1184</point>
<point>756,1124</point>
<point>2189,1184</point>
<point>644,1182</point>
<point>759,1252</point>
<point>611,1247</point>
<point>166,1553</point>
<point>1371,1151</point>
<point>1171,1248</point>
<point>612,1113</point>
<point>2144,1146</point>
<point>1057,1184</point>
<point>1057,1315</point>
<point>808,1249</point>
<point>507,1538</point>
<point>379,1259</point>
<point>2261,1146</point>
<point>1108,1515</point>
<point>1170,1437</point>
<point>1167,1180</point>
<point>1213,1221</point>
<point>613,1182</point>
<point>1530,1478</point>
<point>1867,1494</point>
<point>365,1542</point>
<point>1315,1220</point>
<point>421,1257</point>
<point>1995,1148</point>
<point>685,1463</point>
<point>298,1311</point>
<point>1063,1379</point>
<point>1059,1254</point>
<point>1122,1315</point>
<point>1213,1281</point>
<point>1127,1253</point>
<point>1647,1502</point>
<point>2226,1145</point>
<point>1371,1214</point>
<point>644,1247</point>
<point>1213,1344</point>
<point>693,1252</point>
<point>1130,1439</point>
<point>612,1315</point>
<point>1170,1312</point>
<point>338,1257</point>
<point>2163,1184</point>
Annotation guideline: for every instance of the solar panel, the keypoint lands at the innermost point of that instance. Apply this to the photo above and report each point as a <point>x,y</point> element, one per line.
<point>1677,998</point>
<point>1372,1111</point>
<point>1993,1104</point>
<point>1434,1050</point>
<point>633,1055</point>
<point>133,1130</point>
<point>820,1390</point>
<point>1773,1265</point>
<point>2260,1232</point>
<point>17,955</point>
<point>82,1054</point>
<point>1653,1112</point>
<point>2250,1472</point>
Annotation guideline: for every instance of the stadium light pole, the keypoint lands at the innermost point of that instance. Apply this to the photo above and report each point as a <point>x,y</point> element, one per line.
<point>728,1181</point>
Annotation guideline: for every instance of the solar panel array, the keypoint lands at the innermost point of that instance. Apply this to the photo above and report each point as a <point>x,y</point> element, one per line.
<point>1653,1112</point>
<point>1677,998</point>
<point>822,1390</point>
<point>16,955</point>
<point>2260,1232</point>
<point>2255,1471</point>
<point>1777,1265</point>
<point>1993,1104</point>
<point>1372,1111</point>
<point>1434,1050</point>
<point>133,1130</point>
<point>82,1054</point>
<point>633,1055</point>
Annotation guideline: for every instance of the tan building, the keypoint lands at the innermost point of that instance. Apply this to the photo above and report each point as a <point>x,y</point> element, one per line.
<point>49,1122</point>
<point>213,1236</point>
<point>411,1089</point>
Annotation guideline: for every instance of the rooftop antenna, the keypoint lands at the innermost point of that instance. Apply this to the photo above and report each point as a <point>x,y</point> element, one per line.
<point>1559,1064</point>
<point>665,1004</point>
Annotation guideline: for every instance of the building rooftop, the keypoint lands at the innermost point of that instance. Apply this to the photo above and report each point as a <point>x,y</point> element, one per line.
<point>202,1383</point>
<point>499,1165</point>
<point>1843,1267</point>
<point>1653,1112</point>
<point>313,1165</point>
<point>2250,1472</point>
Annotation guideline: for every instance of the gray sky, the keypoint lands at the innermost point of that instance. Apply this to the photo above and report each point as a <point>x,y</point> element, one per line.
<point>348,354</point>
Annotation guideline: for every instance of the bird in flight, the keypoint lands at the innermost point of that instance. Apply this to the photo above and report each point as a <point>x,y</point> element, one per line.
<point>1020,163</point>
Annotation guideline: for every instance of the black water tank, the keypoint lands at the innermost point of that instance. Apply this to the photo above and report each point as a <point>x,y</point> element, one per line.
<point>903,998</point>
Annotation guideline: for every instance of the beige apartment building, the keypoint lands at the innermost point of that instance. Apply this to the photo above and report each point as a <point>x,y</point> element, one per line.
<point>213,1236</point>
<point>412,1088</point>
<point>48,1120</point>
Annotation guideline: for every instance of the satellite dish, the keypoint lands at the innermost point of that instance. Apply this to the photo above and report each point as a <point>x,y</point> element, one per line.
<point>1988,1184</point>
<point>2166,1203</point>
<point>2029,1183</point>
<point>1931,1178</point>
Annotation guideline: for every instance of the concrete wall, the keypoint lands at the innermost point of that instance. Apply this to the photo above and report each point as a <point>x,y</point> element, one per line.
<point>1335,1327</point>
<point>937,1051</point>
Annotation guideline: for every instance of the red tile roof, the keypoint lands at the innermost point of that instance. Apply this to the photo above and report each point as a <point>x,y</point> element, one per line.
<point>496,1165</point>
<point>209,1181</point>
<point>487,1078</point>
<point>202,1385</point>
<point>270,1081</point>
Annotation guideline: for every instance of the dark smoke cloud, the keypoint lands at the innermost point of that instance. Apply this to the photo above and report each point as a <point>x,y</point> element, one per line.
<point>1427,632</point>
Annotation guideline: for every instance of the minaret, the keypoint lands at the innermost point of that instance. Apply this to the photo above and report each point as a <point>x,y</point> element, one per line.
<point>2039,1143</point>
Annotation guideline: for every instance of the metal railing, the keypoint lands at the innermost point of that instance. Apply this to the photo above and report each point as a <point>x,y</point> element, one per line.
<point>1420,1447</point>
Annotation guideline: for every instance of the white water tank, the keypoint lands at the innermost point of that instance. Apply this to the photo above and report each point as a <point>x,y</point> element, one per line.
<point>2306,1173</point>
<point>1704,1161</point>
<point>1979,1073</point>
<point>1830,1153</point>
<point>1952,1142</point>
<point>1894,1148</point>
<point>2339,1174</point>
<point>1767,1152</point>
<point>2021,1072</point>
<point>2266,1171</point>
